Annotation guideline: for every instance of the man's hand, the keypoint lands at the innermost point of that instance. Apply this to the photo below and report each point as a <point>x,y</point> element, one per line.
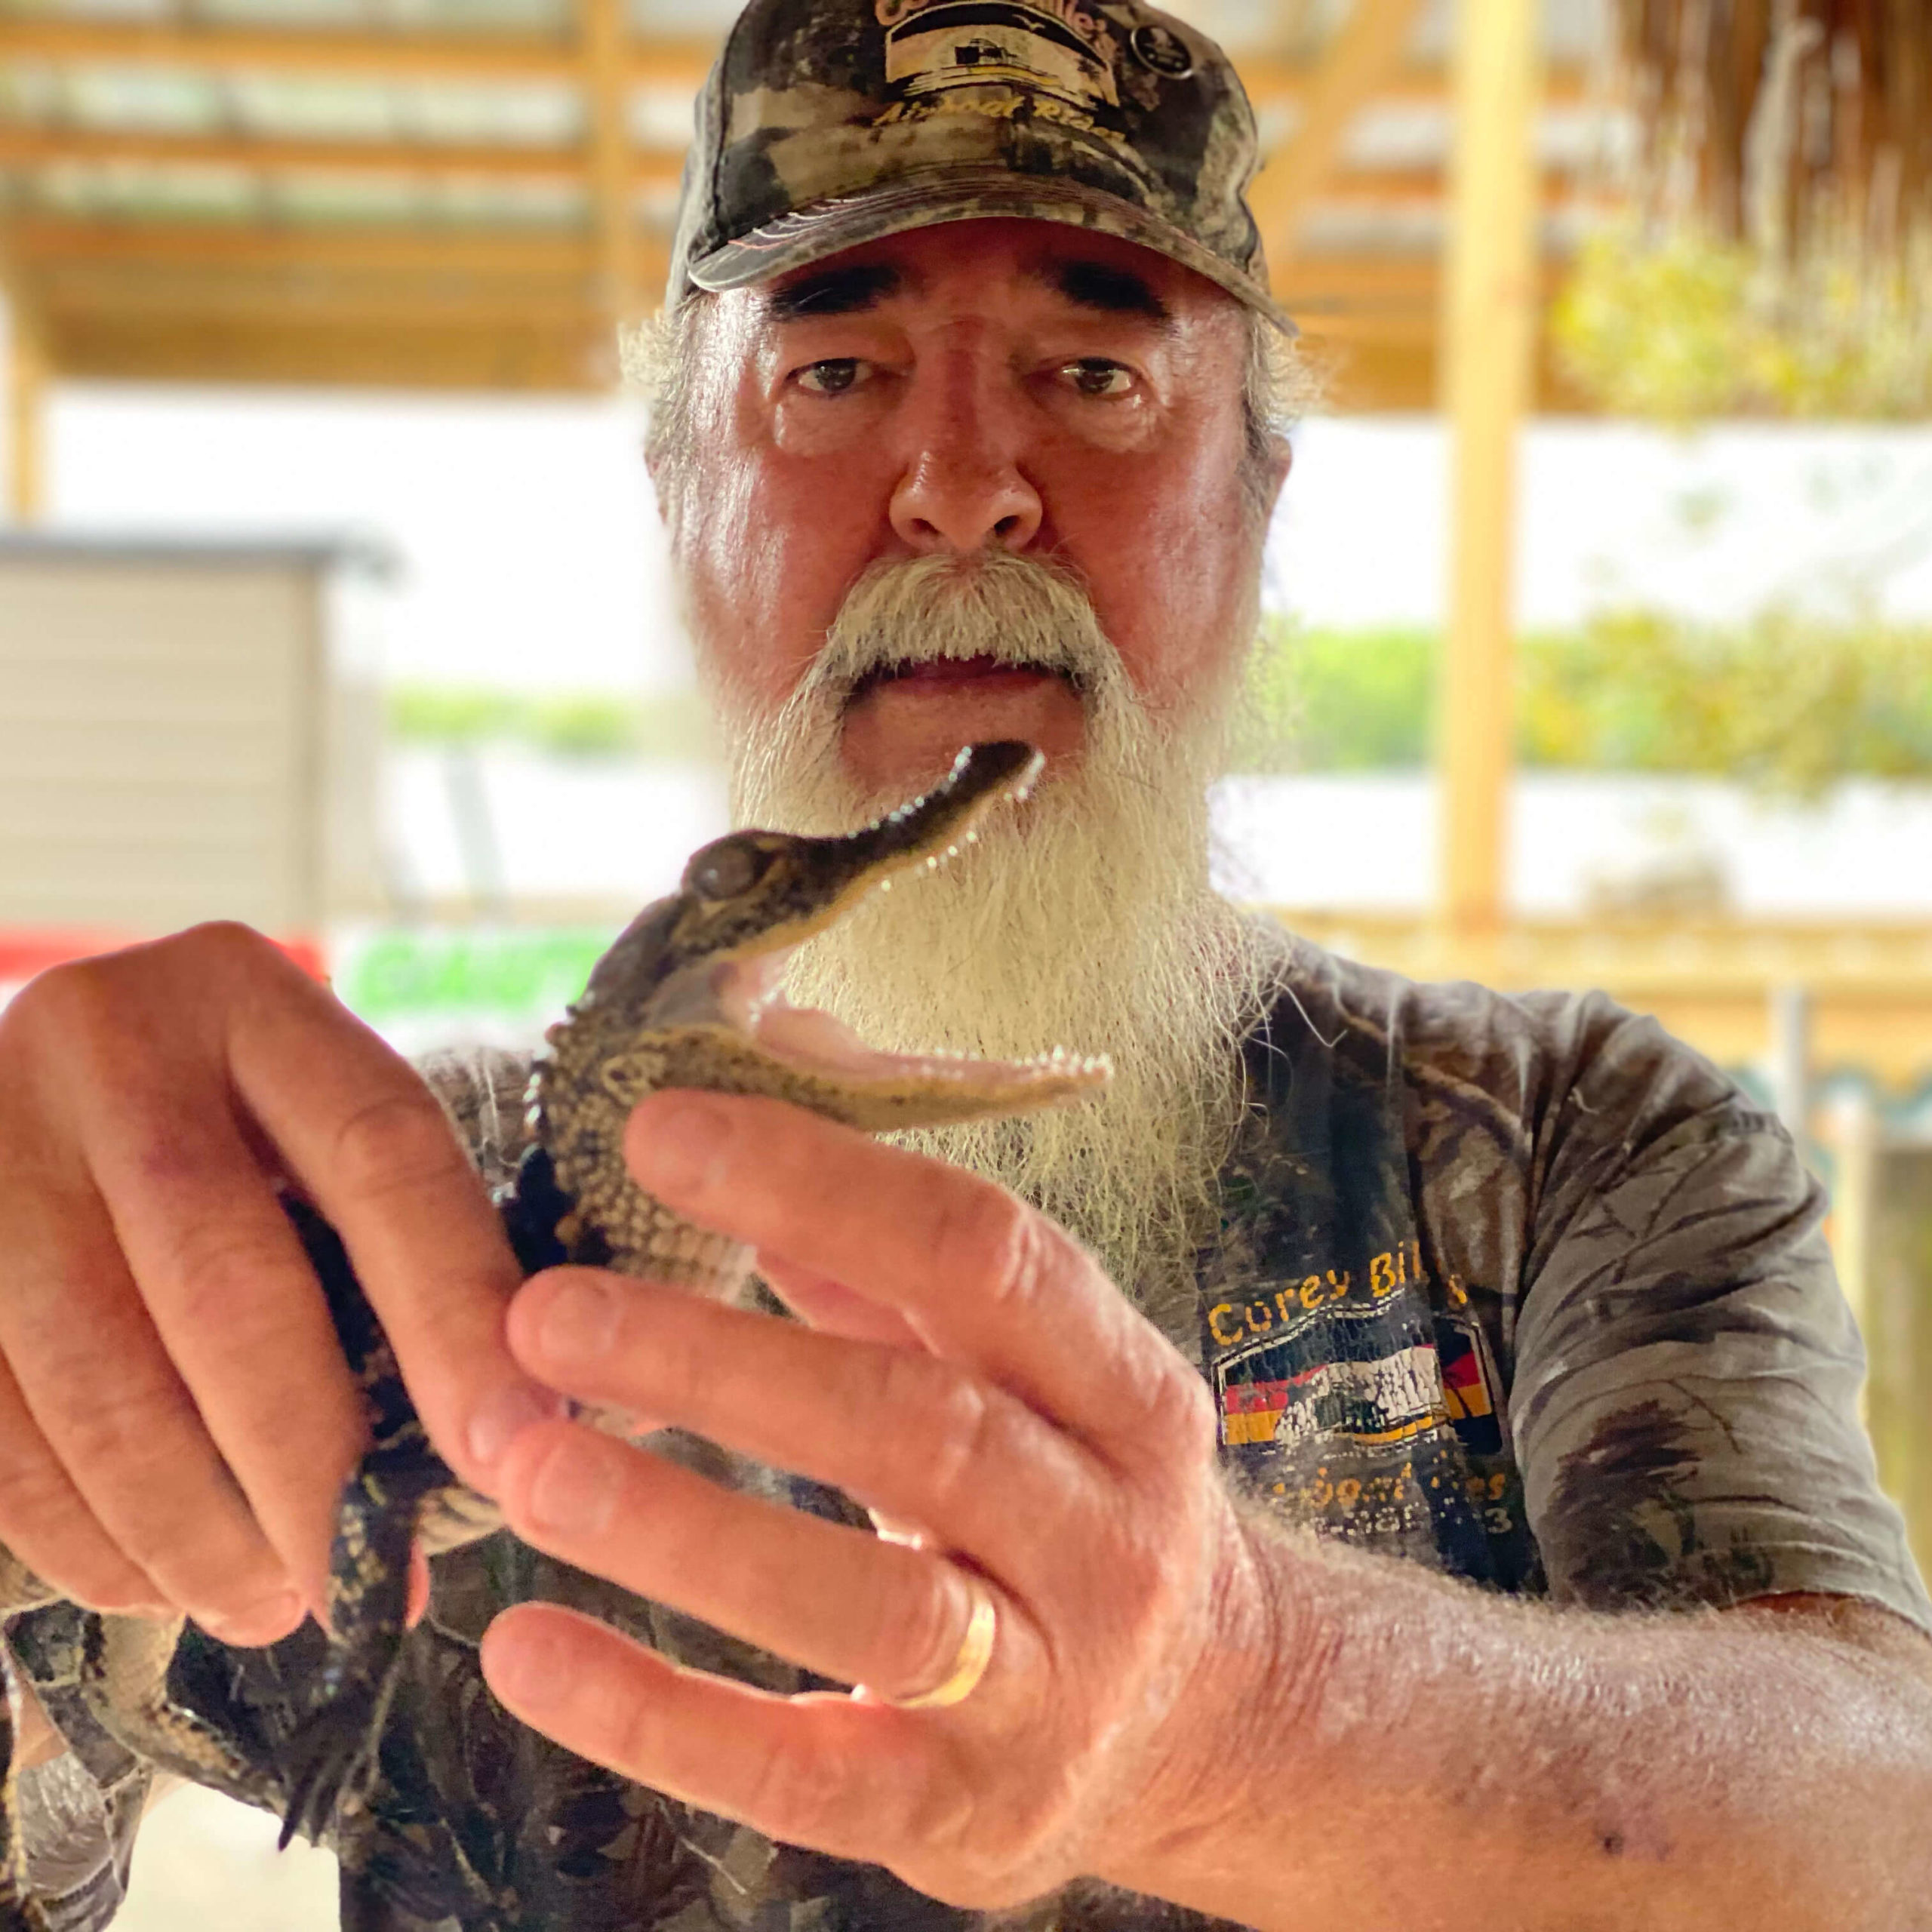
<point>175,1416</point>
<point>971,1376</point>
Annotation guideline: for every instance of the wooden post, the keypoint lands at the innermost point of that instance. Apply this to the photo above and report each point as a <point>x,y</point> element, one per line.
<point>1898,1334</point>
<point>1488,335</point>
<point>605,32</point>
<point>26,407</point>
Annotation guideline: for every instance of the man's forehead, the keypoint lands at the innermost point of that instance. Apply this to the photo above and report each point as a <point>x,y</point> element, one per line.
<point>1095,273</point>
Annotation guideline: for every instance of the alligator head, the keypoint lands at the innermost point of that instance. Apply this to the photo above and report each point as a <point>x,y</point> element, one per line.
<point>689,995</point>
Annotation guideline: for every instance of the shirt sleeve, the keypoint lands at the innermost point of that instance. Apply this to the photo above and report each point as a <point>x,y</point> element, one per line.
<point>1688,1370</point>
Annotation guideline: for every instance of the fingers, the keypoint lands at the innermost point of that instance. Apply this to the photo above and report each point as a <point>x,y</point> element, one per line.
<point>51,1529</point>
<point>835,1600</point>
<point>982,1278</point>
<point>119,1461</point>
<point>821,1770</point>
<point>368,1141</point>
<point>922,1440</point>
<point>182,1397</point>
<point>225,1354</point>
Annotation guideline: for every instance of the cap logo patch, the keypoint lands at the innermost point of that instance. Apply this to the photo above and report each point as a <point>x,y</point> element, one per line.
<point>1160,51</point>
<point>1051,46</point>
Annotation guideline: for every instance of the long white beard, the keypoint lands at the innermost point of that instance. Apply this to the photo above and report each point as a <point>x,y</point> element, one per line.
<point>1085,919</point>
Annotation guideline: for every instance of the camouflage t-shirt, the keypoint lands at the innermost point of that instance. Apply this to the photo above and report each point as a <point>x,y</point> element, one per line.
<point>1521,1289</point>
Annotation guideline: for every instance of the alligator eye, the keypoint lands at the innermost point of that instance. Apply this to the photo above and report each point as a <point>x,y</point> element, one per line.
<point>726,870</point>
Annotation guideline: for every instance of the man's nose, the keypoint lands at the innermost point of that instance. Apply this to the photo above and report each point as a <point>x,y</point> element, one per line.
<point>965,485</point>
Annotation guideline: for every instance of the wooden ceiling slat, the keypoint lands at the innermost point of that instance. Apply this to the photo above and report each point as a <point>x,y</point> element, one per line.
<point>41,146</point>
<point>330,52</point>
<point>381,353</point>
<point>33,240</point>
<point>500,303</point>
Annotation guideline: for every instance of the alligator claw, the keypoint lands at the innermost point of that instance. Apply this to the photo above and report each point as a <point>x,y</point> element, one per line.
<point>331,1760</point>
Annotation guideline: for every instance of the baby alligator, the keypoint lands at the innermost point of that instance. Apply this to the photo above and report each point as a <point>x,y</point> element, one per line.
<point>688,996</point>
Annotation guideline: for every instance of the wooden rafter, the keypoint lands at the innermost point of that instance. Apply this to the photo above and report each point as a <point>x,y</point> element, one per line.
<point>384,55</point>
<point>323,247</point>
<point>1366,49</point>
<point>42,146</point>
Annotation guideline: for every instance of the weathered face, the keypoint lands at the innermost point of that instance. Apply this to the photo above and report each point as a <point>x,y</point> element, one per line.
<point>1006,383</point>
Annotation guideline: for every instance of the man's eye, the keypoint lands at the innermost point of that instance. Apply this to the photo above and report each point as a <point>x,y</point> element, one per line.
<point>1094,375</point>
<point>833,377</point>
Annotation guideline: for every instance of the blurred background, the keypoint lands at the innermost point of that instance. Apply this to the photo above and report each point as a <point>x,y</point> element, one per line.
<point>1599,633</point>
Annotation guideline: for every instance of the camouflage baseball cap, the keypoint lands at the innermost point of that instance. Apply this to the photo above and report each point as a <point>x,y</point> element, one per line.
<point>829,123</point>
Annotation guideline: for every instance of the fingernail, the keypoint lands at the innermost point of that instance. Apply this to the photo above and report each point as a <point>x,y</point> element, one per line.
<point>574,1490</point>
<point>682,1145</point>
<point>506,1414</point>
<point>260,1623</point>
<point>579,1324</point>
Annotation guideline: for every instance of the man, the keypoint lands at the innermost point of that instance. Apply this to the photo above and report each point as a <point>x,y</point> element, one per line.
<point>963,434</point>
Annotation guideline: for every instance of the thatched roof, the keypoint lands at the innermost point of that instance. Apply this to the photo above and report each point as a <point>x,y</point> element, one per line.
<point>1787,124</point>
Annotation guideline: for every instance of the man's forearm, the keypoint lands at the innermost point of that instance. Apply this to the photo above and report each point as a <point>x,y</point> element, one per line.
<point>1397,1750</point>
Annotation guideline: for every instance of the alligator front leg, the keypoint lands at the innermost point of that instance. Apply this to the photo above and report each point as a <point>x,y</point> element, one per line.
<point>331,1760</point>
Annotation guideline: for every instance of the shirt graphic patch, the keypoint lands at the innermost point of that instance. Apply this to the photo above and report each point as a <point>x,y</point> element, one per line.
<point>1387,1400</point>
<point>1370,1377</point>
<point>1468,1388</point>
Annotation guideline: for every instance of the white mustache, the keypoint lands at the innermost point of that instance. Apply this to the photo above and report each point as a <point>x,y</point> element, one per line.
<point>1018,610</point>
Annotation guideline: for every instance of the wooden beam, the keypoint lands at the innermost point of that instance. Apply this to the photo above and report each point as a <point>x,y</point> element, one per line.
<point>666,63</point>
<point>1490,308</point>
<point>83,292</point>
<point>45,146</point>
<point>27,373</point>
<point>1273,82</point>
<point>1364,51</point>
<point>602,27</point>
<point>453,250</point>
<point>389,353</point>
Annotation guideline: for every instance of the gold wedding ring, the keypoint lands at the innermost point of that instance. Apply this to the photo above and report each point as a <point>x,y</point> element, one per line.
<point>976,1652</point>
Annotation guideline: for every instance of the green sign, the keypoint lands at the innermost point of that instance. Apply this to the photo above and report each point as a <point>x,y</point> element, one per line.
<point>400,973</point>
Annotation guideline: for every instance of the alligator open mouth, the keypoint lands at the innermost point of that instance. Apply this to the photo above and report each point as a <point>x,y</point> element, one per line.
<point>741,989</point>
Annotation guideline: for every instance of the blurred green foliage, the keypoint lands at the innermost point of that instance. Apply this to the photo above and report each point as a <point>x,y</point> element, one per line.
<point>1786,703</point>
<point>1685,326</point>
<point>1322,700</point>
<point>668,725</point>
